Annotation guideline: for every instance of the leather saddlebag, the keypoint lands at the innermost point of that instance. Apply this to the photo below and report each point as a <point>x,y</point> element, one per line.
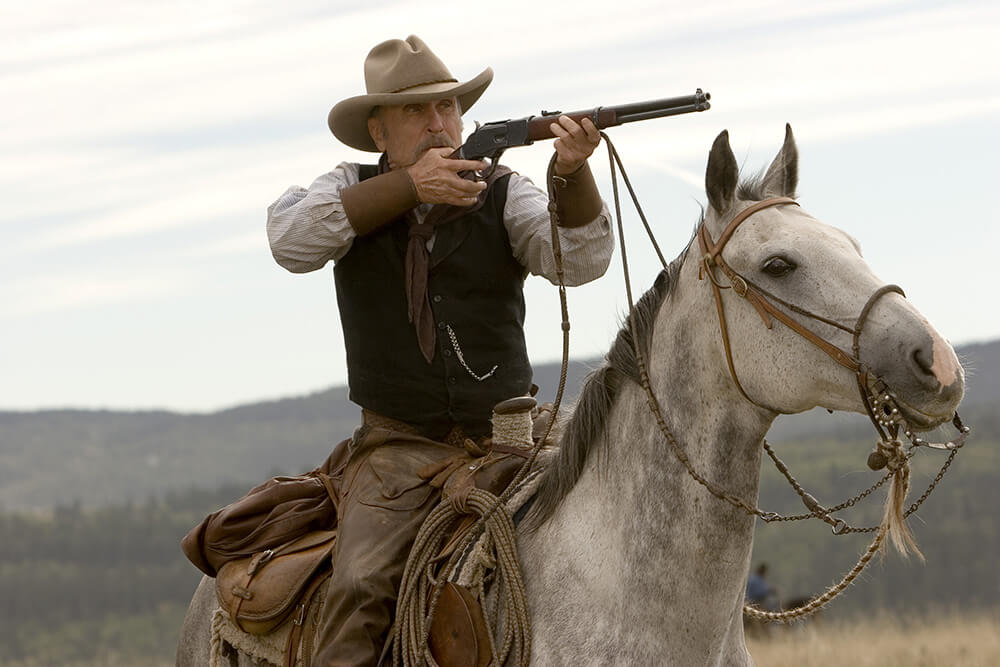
<point>261,591</point>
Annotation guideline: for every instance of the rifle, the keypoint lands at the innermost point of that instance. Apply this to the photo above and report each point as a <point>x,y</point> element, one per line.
<point>490,140</point>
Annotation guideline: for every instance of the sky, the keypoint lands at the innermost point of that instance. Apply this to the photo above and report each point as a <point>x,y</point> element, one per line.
<point>143,142</point>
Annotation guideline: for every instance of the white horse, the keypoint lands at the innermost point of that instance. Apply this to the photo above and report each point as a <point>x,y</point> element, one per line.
<point>628,560</point>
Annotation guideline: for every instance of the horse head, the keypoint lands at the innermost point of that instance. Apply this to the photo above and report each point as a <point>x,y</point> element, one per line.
<point>780,274</point>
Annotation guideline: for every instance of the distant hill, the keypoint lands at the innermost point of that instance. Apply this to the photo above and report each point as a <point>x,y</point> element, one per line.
<point>98,458</point>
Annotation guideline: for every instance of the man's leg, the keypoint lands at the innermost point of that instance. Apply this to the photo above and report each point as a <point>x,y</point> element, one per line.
<point>381,512</point>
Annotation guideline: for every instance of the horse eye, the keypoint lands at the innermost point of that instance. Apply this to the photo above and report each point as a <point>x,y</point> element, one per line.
<point>778,267</point>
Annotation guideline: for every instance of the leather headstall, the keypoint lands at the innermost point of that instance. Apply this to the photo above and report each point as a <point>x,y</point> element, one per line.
<point>763,302</point>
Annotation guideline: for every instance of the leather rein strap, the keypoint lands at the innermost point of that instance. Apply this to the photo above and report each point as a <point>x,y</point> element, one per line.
<point>768,311</point>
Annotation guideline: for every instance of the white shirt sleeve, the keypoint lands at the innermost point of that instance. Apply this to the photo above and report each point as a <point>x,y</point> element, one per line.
<point>586,250</point>
<point>308,228</point>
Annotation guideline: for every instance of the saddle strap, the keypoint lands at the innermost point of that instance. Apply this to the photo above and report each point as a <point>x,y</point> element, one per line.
<point>304,625</point>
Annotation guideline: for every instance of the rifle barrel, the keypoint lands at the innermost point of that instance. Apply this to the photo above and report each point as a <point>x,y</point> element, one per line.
<point>660,113</point>
<point>699,98</point>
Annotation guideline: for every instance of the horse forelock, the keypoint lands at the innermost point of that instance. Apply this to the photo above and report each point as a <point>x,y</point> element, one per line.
<point>752,188</point>
<point>585,433</point>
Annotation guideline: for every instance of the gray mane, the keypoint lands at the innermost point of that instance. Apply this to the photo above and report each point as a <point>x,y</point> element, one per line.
<point>586,430</point>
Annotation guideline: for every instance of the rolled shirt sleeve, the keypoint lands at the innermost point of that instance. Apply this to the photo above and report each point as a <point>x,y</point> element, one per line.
<point>586,250</point>
<point>308,228</point>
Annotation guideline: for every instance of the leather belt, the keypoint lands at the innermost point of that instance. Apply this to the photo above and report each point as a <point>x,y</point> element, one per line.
<point>455,437</point>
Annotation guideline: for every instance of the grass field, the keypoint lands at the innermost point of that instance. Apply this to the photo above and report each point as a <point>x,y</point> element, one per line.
<point>947,639</point>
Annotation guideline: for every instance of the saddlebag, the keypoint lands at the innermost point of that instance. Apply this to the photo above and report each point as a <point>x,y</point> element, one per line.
<point>263,590</point>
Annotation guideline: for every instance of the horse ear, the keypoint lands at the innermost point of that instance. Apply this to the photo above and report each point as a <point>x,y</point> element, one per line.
<point>783,174</point>
<point>722,174</point>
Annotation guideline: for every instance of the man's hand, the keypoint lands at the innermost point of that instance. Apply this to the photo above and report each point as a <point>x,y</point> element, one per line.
<point>576,142</point>
<point>436,180</point>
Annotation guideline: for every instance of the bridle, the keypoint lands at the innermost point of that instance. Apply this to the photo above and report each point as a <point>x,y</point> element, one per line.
<point>878,399</point>
<point>876,395</point>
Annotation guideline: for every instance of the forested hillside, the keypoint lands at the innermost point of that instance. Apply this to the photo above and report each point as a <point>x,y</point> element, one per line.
<point>101,457</point>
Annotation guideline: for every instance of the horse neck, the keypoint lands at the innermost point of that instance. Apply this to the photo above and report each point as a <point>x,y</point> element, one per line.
<point>703,543</point>
<point>661,550</point>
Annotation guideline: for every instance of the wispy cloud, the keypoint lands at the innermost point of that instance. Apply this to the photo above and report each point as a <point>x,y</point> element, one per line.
<point>49,293</point>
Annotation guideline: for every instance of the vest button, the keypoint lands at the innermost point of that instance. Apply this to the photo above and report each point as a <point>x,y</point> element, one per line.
<point>447,353</point>
<point>452,380</point>
<point>437,298</point>
<point>440,325</point>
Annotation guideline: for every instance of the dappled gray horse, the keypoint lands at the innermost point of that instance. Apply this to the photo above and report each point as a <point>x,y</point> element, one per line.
<point>628,560</point>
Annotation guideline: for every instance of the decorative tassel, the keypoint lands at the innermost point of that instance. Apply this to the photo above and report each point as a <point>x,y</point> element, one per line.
<point>894,520</point>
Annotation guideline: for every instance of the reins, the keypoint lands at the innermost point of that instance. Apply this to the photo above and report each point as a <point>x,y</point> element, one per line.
<point>879,402</point>
<point>876,396</point>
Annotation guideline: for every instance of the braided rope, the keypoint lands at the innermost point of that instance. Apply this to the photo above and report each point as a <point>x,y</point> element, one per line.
<point>893,525</point>
<point>818,603</point>
<point>215,642</point>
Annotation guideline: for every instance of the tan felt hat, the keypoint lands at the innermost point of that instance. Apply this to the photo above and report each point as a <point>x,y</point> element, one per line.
<point>400,72</point>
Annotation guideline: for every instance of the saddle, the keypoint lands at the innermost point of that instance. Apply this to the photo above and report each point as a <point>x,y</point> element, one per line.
<point>271,550</point>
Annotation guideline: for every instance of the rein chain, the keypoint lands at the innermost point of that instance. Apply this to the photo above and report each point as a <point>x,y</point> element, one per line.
<point>879,404</point>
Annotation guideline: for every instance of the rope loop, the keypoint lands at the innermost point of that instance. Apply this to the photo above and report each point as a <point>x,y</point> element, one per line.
<point>420,588</point>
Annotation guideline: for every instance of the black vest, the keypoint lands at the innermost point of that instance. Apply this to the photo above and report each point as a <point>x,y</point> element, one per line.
<point>475,288</point>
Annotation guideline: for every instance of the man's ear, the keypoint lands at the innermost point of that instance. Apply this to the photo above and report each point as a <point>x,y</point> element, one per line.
<point>376,133</point>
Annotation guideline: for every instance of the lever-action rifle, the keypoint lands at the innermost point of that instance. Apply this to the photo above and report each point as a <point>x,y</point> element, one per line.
<point>492,139</point>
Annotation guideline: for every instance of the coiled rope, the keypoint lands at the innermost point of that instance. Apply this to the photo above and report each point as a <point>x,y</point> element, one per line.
<point>420,588</point>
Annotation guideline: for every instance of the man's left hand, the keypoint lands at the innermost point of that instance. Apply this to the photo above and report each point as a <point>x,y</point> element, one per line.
<point>575,143</point>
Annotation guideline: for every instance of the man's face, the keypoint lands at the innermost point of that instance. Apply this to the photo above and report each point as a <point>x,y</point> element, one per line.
<point>404,132</point>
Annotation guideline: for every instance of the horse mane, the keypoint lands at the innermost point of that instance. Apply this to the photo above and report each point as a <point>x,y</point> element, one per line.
<point>586,430</point>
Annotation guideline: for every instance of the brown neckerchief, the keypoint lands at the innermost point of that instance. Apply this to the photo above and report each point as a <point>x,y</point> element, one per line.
<point>418,258</point>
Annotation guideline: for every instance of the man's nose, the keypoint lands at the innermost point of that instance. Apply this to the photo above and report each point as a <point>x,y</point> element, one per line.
<point>435,121</point>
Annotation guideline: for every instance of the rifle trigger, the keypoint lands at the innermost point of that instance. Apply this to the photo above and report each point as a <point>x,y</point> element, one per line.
<point>492,161</point>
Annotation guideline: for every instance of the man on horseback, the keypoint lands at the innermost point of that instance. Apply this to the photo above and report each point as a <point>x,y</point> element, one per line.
<point>429,266</point>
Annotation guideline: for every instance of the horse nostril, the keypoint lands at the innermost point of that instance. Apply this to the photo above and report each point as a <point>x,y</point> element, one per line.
<point>922,362</point>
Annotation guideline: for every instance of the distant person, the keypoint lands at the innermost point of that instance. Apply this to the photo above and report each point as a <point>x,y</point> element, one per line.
<point>429,269</point>
<point>759,592</point>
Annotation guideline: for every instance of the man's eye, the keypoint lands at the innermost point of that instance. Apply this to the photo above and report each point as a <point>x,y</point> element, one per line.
<point>778,266</point>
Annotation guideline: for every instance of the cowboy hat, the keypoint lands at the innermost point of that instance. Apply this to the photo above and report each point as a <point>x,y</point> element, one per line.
<point>400,72</point>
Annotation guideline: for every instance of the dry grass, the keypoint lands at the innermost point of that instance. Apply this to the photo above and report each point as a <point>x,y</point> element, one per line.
<point>884,640</point>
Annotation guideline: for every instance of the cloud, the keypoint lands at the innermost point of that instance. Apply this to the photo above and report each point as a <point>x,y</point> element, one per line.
<point>49,293</point>
<point>239,244</point>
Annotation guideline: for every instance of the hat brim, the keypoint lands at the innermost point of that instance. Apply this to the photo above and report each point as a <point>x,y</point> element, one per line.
<point>348,119</point>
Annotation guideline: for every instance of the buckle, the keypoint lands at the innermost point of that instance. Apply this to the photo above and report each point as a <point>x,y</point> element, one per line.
<point>258,561</point>
<point>740,285</point>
